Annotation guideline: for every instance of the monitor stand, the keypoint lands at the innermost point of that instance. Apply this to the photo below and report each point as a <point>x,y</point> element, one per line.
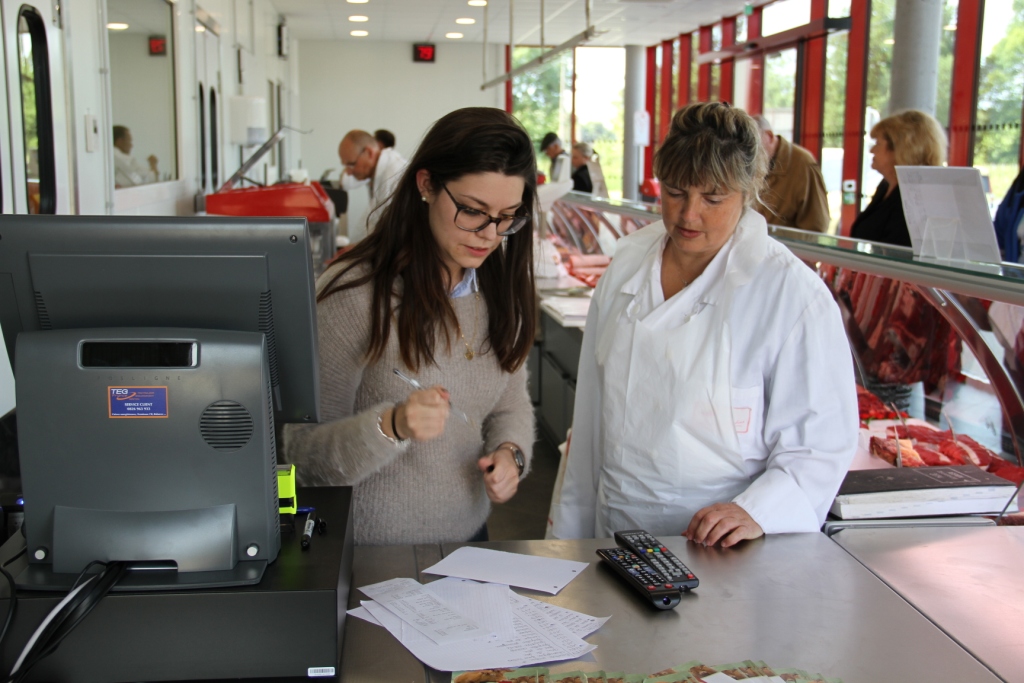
<point>144,577</point>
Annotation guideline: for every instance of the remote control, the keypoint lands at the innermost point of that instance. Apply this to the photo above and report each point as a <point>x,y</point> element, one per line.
<point>642,577</point>
<point>668,565</point>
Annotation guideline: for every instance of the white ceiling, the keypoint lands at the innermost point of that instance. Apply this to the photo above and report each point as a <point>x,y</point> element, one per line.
<point>634,22</point>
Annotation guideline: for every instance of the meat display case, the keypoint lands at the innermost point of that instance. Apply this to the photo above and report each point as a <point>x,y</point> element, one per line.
<point>941,342</point>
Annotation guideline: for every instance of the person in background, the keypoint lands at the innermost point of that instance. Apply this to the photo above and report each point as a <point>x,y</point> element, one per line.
<point>1009,220</point>
<point>443,291</point>
<point>587,175</point>
<point>385,137</point>
<point>127,170</point>
<point>710,399</point>
<point>561,166</point>
<point>363,158</point>
<point>907,138</point>
<point>795,195</point>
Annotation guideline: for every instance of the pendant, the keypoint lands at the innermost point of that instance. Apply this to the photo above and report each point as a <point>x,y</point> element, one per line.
<point>469,353</point>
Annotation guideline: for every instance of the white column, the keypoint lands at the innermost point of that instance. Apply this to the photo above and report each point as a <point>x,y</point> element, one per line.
<point>632,153</point>
<point>915,55</point>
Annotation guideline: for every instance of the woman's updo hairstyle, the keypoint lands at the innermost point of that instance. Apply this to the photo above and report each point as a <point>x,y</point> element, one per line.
<point>711,144</point>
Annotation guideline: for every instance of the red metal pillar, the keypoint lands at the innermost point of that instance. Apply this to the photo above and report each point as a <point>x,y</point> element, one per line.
<point>725,74</point>
<point>665,110</point>
<point>963,104</point>
<point>755,96</point>
<point>704,70</point>
<point>683,94</point>
<point>649,94</point>
<point>853,126</point>
<point>508,83</point>
<point>812,104</point>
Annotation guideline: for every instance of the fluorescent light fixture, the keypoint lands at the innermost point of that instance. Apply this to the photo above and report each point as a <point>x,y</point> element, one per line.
<point>358,18</point>
<point>117,26</point>
<point>453,35</point>
<point>358,2</point>
<point>478,3</point>
<point>359,34</point>
<point>465,21</point>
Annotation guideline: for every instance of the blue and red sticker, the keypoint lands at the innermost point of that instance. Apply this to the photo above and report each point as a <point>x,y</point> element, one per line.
<point>137,401</point>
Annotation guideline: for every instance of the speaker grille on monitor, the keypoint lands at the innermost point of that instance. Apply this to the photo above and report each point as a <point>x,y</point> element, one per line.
<point>41,313</point>
<point>267,327</point>
<point>226,425</point>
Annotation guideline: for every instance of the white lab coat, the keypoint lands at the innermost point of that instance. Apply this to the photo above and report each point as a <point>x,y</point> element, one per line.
<point>128,172</point>
<point>738,388</point>
<point>390,167</point>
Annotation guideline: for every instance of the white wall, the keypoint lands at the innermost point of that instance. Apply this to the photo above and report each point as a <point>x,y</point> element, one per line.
<point>353,84</point>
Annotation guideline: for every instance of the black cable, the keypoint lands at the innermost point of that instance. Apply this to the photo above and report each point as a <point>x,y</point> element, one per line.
<point>12,604</point>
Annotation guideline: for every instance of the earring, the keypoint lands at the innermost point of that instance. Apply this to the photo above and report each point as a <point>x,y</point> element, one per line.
<point>423,197</point>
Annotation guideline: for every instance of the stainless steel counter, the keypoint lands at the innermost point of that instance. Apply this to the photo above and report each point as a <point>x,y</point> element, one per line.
<point>968,581</point>
<point>794,601</point>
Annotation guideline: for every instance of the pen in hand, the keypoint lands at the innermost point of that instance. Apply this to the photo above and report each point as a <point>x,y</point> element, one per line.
<point>414,383</point>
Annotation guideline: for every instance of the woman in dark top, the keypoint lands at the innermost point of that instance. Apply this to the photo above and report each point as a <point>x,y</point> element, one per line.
<point>909,138</point>
<point>581,181</point>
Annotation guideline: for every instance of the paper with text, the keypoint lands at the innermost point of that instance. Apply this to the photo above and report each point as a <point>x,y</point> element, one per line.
<point>545,574</point>
<point>421,609</point>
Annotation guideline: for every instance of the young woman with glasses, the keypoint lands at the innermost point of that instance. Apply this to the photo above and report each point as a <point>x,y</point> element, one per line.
<point>424,330</point>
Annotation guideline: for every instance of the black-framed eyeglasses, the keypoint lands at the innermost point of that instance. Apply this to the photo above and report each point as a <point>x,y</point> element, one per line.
<point>473,220</point>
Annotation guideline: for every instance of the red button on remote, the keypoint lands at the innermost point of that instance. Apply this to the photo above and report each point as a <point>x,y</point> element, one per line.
<point>650,588</point>
<point>668,585</point>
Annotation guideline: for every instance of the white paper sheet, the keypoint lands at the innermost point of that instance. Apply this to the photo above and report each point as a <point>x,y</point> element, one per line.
<point>414,605</point>
<point>534,643</point>
<point>364,614</point>
<point>544,574</point>
<point>487,604</point>
<point>577,623</point>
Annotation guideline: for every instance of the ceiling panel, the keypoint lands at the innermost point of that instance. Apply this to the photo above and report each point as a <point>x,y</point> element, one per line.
<point>634,22</point>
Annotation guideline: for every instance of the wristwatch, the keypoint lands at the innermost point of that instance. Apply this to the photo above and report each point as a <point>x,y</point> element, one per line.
<point>518,456</point>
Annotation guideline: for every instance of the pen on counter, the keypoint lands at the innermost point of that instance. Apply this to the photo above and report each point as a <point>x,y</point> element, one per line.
<point>307,531</point>
<point>414,383</point>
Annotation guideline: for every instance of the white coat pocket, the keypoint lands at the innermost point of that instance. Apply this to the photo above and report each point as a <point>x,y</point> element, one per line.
<point>748,415</point>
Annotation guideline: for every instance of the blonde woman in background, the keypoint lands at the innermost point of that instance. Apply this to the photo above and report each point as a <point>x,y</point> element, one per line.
<point>587,175</point>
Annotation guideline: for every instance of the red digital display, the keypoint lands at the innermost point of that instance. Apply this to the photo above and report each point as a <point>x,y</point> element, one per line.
<point>423,52</point>
<point>157,45</point>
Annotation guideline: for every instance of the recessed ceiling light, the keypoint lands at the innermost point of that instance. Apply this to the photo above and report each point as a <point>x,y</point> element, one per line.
<point>465,21</point>
<point>358,2</point>
<point>453,35</point>
<point>200,29</point>
<point>358,18</point>
<point>117,26</point>
<point>478,3</point>
<point>359,34</point>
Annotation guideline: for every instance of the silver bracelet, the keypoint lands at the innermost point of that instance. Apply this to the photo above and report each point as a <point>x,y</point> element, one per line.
<point>380,429</point>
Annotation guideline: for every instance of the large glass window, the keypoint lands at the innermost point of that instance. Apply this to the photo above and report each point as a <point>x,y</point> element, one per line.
<point>836,51</point>
<point>694,67</point>
<point>1000,91</point>
<point>36,113</point>
<point>784,15</point>
<point>780,91</point>
<point>879,74</point>
<point>140,35</point>
<point>542,97</point>
<point>947,42</point>
<point>600,84</point>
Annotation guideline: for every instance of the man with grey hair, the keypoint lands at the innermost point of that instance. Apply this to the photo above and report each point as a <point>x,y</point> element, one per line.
<point>794,194</point>
<point>363,158</point>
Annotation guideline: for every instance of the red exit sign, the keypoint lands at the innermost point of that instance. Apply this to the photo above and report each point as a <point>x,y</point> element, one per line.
<point>157,45</point>
<point>423,52</point>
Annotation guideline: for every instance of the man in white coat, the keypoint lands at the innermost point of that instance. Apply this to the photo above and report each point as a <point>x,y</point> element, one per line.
<point>715,395</point>
<point>364,159</point>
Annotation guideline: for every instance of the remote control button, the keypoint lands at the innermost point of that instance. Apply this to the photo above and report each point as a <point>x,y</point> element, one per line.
<point>650,588</point>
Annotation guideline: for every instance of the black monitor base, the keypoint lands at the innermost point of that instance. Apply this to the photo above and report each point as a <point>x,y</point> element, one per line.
<point>41,577</point>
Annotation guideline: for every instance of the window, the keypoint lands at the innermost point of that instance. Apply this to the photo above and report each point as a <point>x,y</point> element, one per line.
<point>780,91</point>
<point>836,51</point>
<point>202,138</point>
<point>542,97</point>
<point>600,85</point>
<point>784,15</point>
<point>879,75</point>
<point>36,113</point>
<point>142,91</point>
<point>1000,94</point>
<point>214,141</point>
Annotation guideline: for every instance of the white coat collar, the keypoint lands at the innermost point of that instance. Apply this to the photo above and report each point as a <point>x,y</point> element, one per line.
<point>735,262</point>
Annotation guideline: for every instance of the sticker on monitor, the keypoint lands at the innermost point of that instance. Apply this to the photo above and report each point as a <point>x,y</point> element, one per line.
<point>137,401</point>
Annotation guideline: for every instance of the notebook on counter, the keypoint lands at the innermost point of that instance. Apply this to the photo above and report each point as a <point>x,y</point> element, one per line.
<point>922,492</point>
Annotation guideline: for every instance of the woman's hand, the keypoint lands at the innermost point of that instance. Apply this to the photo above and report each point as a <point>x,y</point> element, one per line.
<point>423,415</point>
<point>501,474</point>
<point>725,523</point>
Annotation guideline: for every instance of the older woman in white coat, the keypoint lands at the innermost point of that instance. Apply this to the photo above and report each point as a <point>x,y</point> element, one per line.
<point>715,394</point>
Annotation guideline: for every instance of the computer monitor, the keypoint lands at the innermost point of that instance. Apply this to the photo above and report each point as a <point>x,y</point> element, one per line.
<point>151,358</point>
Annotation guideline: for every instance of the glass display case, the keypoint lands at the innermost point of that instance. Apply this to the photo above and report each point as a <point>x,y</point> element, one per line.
<point>937,346</point>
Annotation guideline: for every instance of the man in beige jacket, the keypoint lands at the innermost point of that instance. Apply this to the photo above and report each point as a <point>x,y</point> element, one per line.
<point>794,194</point>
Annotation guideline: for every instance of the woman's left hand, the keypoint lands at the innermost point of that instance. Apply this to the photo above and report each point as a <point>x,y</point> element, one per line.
<point>725,523</point>
<point>501,475</point>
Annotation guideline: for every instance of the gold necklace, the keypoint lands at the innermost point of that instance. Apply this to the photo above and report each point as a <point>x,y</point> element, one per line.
<point>470,355</point>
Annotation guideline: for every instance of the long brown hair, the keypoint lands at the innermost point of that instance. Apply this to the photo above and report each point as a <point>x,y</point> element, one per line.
<point>464,142</point>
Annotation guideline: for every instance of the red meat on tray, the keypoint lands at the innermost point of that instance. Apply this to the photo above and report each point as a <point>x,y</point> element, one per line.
<point>1006,470</point>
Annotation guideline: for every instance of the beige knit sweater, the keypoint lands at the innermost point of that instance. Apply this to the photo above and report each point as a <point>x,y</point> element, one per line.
<point>415,492</point>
